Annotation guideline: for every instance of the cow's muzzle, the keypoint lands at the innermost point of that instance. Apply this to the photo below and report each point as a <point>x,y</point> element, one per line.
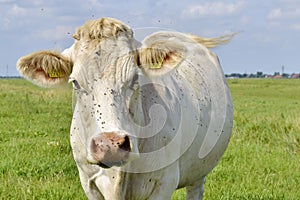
<point>109,149</point>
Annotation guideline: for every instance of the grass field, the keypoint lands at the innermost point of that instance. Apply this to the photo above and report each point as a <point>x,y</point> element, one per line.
<point>261,162</point>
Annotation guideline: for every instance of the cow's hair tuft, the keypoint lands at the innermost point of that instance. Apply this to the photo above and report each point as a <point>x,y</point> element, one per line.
<point>101,28</point>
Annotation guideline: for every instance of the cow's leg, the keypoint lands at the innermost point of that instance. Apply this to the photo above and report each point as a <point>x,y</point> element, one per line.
<point>195,191</point>
<point>167,184</point>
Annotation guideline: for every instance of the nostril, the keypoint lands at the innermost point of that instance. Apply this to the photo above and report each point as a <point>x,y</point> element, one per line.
<point>124,144</point>
<point>93,145</point>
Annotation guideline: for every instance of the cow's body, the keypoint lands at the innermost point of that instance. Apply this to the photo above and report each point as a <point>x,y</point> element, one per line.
<point>141,133</point>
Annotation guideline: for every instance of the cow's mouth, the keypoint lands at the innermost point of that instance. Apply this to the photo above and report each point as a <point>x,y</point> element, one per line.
<point>109,165</point>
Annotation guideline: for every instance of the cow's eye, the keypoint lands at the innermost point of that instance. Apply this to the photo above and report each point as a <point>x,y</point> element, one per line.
<point>134,82</point>
<point>134,86</point>
<point>76,85</point>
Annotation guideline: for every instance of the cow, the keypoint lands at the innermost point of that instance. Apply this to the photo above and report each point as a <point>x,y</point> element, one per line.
<point>150,117</point>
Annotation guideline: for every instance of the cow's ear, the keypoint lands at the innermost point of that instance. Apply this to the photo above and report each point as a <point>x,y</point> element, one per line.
<point>160,58</point>
<point>45,68</point>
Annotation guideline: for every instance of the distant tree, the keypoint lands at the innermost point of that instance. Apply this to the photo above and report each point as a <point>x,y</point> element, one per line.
<point>252,75</point>
<point>285,75</point>
<point>276,73</point>
<point>259,74</point>
<point>236,75</point>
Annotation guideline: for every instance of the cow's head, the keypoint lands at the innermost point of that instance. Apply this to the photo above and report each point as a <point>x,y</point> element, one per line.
<point>106,68</point>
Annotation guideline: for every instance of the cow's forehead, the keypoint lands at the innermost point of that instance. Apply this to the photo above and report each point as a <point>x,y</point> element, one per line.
<point>104,56</point>
<point>115,68</point>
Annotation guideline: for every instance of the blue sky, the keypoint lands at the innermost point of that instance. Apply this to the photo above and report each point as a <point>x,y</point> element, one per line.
<point>269,35</point>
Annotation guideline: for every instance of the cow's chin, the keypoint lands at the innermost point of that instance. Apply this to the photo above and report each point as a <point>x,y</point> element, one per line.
<point>108,164</point>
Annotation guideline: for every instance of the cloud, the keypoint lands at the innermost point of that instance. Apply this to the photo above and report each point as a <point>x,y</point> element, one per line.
<point>285,9</point>
<point>6,1</point>
<point>213,9</point>
<point>275,14</point>
<point>245,20</point>
<point>284,13</point>
<point>59,32</point>
<point>296,26</point>
<point>88,5</point>
<point>32,15</point>
<point>18,10</point>
<point>285,2</point>
<point>13,16</point>
<point>95,3</point>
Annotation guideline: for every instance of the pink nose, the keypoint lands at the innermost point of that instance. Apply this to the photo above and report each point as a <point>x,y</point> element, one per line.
<point>109,149</point>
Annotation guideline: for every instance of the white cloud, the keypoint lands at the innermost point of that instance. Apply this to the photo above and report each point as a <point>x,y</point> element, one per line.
<point>59,32</point>
<point>285,16</point>
<point>275,13</point>
<point>213,9</point>
<point>13,15</point>
<point>93,5</point>
<point>296,26</point>
<point>18,10</point>
<point>284,13</point>
<point>6,1</point>
<point>288,1</point>
<point>245,20</point>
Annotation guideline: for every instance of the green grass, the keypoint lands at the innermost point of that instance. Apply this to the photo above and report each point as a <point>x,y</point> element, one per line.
<point>263,158</point>
<point>36,159</point>
<point>261,162</point>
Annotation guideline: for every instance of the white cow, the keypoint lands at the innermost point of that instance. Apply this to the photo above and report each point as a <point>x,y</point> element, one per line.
<point>149,118</point>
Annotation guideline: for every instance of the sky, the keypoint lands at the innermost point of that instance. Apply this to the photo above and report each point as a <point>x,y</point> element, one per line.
<point>268,31</point>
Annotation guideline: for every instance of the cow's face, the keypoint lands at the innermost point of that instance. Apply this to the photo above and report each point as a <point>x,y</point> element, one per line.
<point>103,90</point>
<point>103,77</point>
<point>105,68</point>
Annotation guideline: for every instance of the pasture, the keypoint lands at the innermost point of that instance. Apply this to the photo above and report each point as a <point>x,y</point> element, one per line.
<point>261,162</point>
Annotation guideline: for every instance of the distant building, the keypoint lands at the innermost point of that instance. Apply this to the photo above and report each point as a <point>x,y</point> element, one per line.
<point>277,76</point>
<point>295,76</point>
